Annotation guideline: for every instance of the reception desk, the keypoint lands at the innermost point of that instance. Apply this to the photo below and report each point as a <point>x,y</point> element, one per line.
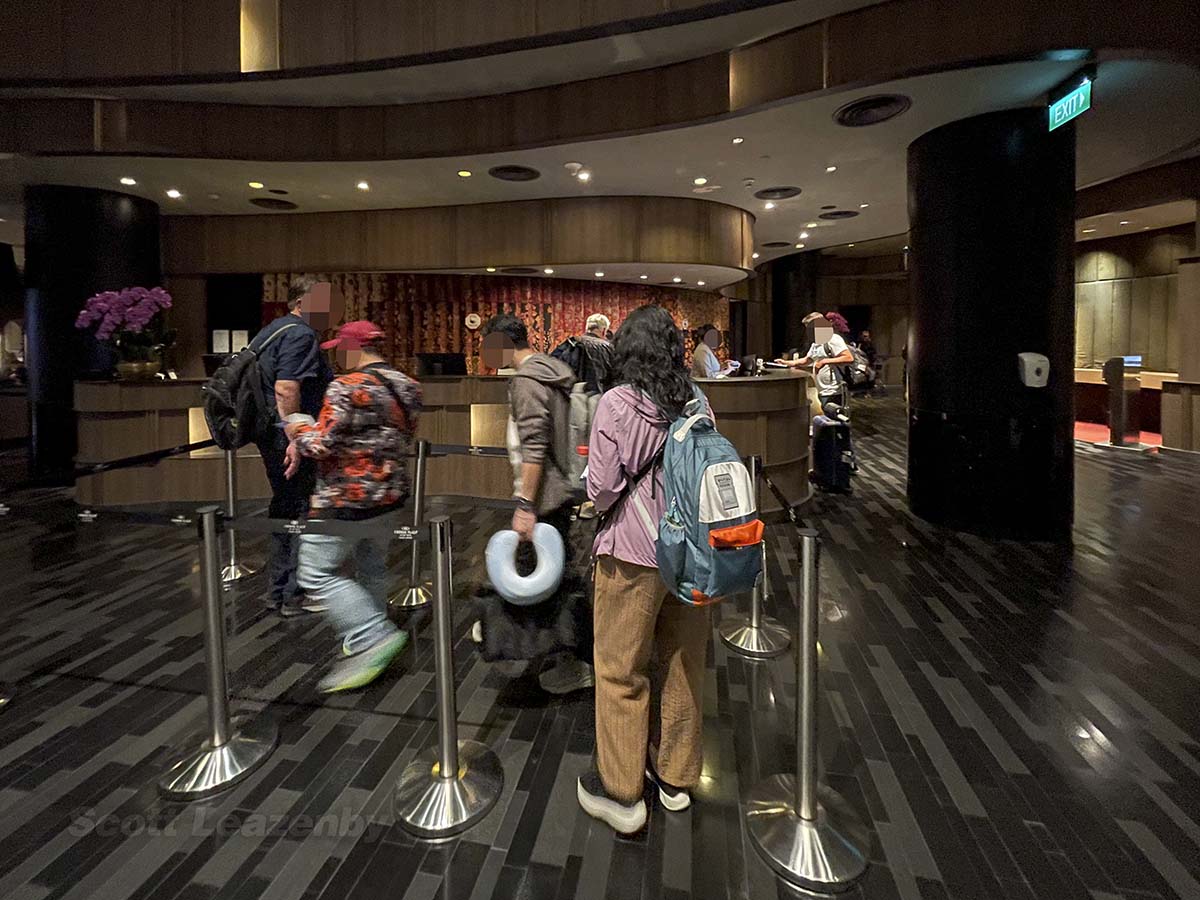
<point>123,418</point>
<point>1091,397</point>
<point>765,416</point>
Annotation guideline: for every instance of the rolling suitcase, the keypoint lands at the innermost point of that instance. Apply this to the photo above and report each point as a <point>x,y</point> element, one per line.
<point>831,453</point>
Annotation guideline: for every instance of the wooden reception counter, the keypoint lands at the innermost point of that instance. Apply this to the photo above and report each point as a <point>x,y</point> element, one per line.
<point>124,418</point>
<point>766,416</point>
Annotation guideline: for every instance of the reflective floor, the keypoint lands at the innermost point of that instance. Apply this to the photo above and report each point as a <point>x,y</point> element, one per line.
<point>1011,721</point>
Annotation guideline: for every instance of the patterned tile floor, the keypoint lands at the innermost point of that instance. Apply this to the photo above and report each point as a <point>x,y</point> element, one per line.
<point>1013,720</point>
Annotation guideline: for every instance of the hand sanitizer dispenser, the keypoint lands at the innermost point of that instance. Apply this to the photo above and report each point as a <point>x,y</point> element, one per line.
<point>1034,368</point>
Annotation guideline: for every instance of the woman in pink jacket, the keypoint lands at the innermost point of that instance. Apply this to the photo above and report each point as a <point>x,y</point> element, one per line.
<point>635,616</point>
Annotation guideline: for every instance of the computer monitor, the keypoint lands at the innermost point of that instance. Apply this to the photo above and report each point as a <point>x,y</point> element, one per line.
<point>441,364</point>
<point>749,364</point>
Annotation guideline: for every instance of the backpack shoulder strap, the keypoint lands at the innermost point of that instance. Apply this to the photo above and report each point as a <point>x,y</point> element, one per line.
<point>267,343</point>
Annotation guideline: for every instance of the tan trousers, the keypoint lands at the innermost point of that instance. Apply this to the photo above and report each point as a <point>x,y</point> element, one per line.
<point>634,618</point>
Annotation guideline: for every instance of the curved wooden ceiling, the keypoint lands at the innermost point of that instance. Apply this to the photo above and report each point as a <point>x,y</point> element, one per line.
<point>871,45</point>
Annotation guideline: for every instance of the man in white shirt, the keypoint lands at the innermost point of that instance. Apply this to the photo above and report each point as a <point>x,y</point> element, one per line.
<point>828,351</point>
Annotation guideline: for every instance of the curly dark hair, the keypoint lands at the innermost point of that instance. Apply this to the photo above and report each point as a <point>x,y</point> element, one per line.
<point>510,326</point>
<point>648,355</point>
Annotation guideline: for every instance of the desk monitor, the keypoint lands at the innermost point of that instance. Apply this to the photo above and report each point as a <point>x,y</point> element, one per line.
<point>441,364</point>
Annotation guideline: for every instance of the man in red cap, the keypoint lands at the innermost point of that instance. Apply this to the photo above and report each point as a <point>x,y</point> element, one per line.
<point>361,443</point>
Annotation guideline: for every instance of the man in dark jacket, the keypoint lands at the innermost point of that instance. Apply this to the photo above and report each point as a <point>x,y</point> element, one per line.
<point>590,355</point>
<point>538,443</point>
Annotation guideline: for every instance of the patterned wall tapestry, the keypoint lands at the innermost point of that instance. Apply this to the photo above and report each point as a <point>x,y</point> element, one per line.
<point>425,313</point>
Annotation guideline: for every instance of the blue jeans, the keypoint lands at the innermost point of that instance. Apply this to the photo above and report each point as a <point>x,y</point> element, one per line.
<point>358,608</point>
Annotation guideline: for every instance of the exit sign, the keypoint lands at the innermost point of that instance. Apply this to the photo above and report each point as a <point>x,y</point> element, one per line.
<point>1073,104</point>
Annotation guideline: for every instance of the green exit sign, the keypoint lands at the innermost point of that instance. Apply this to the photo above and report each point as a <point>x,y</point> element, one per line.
<point>1075,103</point>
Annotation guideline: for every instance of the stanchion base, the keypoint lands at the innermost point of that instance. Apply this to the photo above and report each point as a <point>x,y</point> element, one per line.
<point>769,639</point>
<point>411,598</point>
<point>236,572</point>
<point>827,855</point>
<point>210,770</point>
<point>430,806</point>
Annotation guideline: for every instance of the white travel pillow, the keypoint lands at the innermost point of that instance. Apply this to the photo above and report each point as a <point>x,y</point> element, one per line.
<point>501,556</point>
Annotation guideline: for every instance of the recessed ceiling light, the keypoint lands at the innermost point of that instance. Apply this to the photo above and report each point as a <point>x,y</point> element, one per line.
<point>799,246</point>
<point>548,271</point>
<point>363,186</point>
<point>803,235</point>
<point>214,196</point>
<point>491,268</point>
<point>174,194</point>
<point>738,140</point>
<point>849,245</point>
<point>257,185</point>
<point>811,225</point>
<point>768,205</point>
<point>129,181</point>
<point>677,279</point>
<point>1123,222</point>
<point>701,283</point>
<point>863,205</point>
<point>831,168</point>
<point>599,274</point>
<point>1145,228</point>
<point>1088,230</point>
<point>643,277</point>
<point>584,175</point>
<point>700,180</point>
<point>464,173</point>
<point>325,196</point>
<point>906,246</point>
<point>754,255</point>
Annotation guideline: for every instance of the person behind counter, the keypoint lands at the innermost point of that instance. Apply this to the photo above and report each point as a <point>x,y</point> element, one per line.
<point>704,358</point>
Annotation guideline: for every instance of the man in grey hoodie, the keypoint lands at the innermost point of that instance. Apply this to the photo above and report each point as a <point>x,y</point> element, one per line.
<point>538,447</point>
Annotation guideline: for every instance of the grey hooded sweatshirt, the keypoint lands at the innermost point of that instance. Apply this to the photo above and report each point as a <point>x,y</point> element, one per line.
<point>539,408</point>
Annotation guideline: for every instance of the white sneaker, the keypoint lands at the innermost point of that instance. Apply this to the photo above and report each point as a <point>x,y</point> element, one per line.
<point>568,676</point>
<point>675,799</point>
<point>621,817</point>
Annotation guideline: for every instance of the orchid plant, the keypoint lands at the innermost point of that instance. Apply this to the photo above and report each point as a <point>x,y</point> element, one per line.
<point>130,320</point>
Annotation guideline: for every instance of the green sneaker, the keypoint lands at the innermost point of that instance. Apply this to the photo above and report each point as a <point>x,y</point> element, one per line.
<point>353,672</point>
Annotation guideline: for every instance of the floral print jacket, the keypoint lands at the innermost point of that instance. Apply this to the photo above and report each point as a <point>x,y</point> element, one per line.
<point>361,442</point>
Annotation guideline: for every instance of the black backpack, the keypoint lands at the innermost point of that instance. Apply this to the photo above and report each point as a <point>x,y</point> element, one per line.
<point>234,404</point>
<point>593,372</point>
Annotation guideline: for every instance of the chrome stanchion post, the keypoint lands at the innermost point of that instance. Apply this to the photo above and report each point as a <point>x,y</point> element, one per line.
<point>450,787</point>
<point>418,593</point>
<point>756,635</point>
<point>807,833</point>
<point>235,745</point>
<point>233,569</point>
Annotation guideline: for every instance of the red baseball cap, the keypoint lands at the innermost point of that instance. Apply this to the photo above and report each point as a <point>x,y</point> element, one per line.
<point>354,334</point>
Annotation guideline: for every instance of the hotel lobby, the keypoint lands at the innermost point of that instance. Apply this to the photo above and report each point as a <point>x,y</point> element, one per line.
<point>986,672</point>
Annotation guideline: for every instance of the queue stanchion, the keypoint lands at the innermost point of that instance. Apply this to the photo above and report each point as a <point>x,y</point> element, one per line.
<point>233,570</point>
<point>235,745</point>
<point>418,593</point>
<point>805,832</point>
<point>450,787</point>
<point>756,635</point>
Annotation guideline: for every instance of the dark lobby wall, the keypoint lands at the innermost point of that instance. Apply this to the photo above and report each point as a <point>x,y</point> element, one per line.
<point>1126,297</point>
<point>424,313</point>
<point>887,299</point>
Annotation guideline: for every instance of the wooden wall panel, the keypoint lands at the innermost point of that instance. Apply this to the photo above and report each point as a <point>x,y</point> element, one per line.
<point>211,36</point>
<point>117,38</point>
<point>68,126</point>
<point>782,66</point>
<point>31,35</point>
<point>164,128</point>
<point>385,28</point>
<point>189,317</point>
<point>469,23</point>
<point>603,228</point>
<point>315,33</point>
<point>535,232</point>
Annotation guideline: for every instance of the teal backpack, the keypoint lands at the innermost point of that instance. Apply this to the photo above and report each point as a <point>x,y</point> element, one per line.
<point>709,538</point>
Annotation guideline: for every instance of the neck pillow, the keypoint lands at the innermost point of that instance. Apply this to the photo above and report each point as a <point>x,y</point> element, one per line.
<point>501,556</point>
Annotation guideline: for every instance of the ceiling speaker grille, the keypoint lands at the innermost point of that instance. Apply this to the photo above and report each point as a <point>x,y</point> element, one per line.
<point>272,203</point>
<point>872,110</point>
<point>838,214</point>
<point>778,193</point>
<point>519,270</point>
<point>514,173</point>
<point>775,245</point>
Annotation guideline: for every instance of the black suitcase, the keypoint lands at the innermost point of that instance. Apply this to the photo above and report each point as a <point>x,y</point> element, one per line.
<point>831,454</point>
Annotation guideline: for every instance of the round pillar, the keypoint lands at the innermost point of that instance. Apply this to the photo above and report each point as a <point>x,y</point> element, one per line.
<point>77,241</point>
<point>991,204</point>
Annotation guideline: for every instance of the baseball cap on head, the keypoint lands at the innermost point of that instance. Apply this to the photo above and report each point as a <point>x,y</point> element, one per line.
<point>353,335</point>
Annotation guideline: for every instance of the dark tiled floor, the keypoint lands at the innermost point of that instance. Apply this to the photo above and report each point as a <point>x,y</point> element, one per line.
<point>1015,721</point>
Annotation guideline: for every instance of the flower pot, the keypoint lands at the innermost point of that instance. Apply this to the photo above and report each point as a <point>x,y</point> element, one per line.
<point>138,371</point>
